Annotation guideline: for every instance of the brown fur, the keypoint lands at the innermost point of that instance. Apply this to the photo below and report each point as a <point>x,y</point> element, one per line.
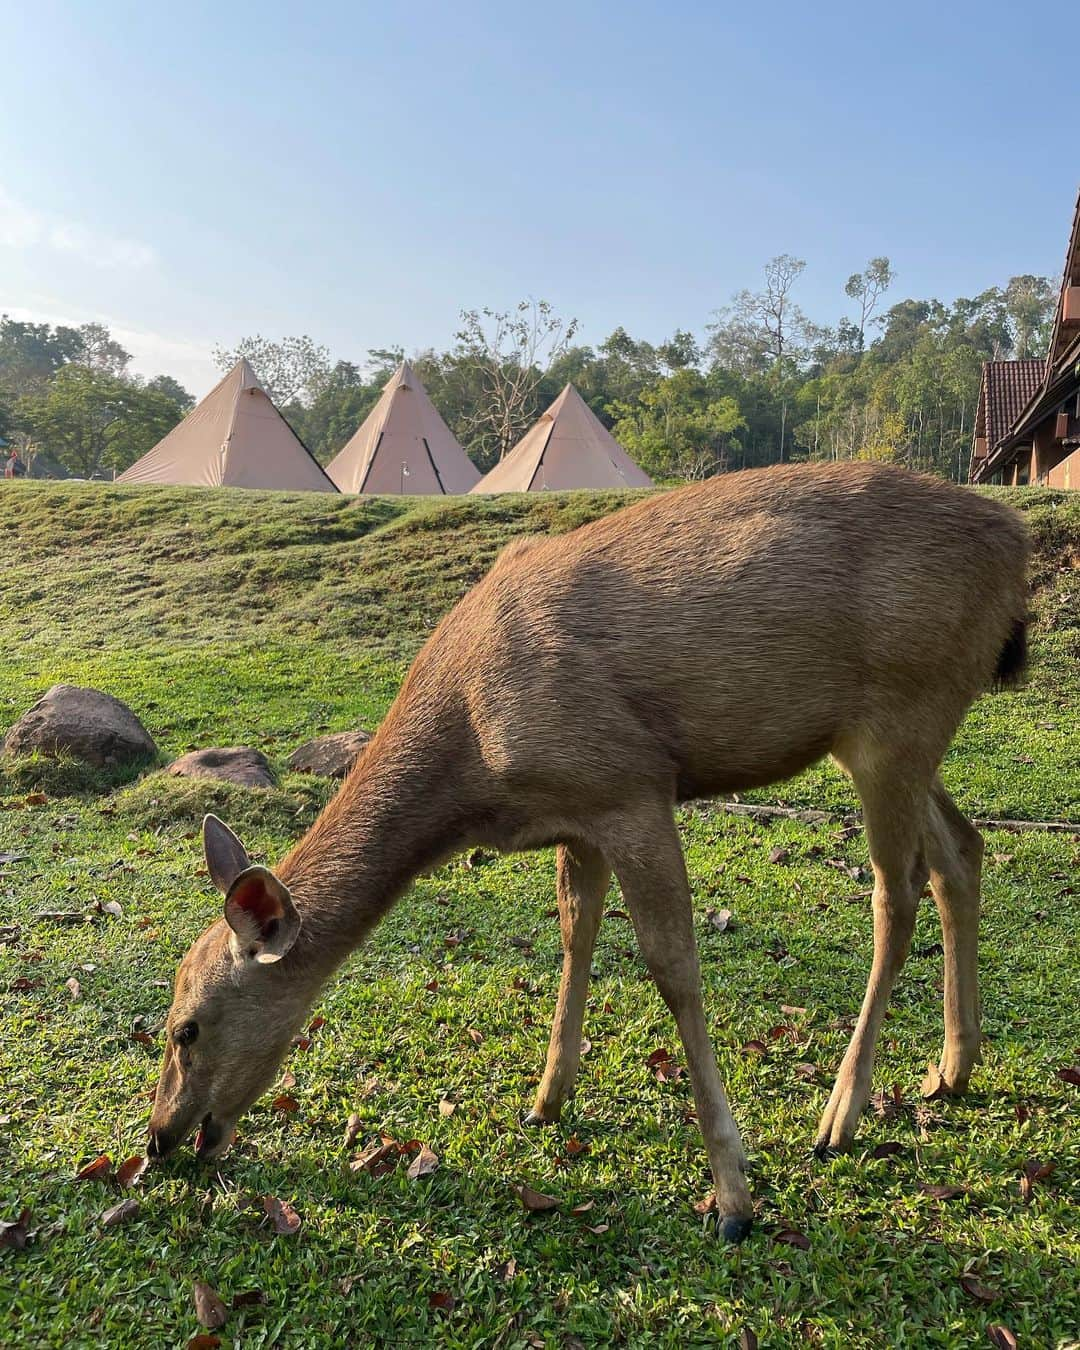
<point>700,642</point>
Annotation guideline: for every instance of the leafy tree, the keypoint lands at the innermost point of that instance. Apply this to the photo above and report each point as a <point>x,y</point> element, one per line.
<point>31,353</point>
<point>165,384</point>
<point>867,287</point>
<point>92,423</point>
<point>98,350</point>
<point>1030,303</point>
<point>677,428</point>
<point>506,354</point>
<point>342,401</point>
<point>290,369</point>
<point>760,327</point>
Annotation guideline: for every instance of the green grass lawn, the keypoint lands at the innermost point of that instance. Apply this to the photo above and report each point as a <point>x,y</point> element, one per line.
<point>231,617</point>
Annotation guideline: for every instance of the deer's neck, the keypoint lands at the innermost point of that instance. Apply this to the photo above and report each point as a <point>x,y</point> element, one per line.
<point>401,811</point>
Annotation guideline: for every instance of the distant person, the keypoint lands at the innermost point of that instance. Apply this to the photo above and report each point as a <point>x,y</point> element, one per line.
<point>14,467</point>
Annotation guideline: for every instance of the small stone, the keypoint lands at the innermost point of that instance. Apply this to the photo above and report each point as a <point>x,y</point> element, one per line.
<point>329,756</point>
<point>239,764</point>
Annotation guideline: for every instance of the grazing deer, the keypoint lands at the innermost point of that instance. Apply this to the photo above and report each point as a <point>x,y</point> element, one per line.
<point>700,642</point>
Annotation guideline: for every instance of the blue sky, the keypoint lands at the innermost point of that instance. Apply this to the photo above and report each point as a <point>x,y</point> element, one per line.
<point>193,173</point>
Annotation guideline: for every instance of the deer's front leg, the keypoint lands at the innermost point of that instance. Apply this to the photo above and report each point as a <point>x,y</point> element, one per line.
<point>649,864</point>
<point>583,875</point>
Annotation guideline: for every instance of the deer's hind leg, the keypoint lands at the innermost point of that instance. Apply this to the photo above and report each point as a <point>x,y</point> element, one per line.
<point>894,799</point>
<point>583,876</point>
<point>954,850</point>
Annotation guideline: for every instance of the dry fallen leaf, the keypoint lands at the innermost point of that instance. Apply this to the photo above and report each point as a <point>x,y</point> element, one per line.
<point>791,1237</point>
<point>121,1213</point>
<point>720,919</point>
<point>779,855</point>
<point>283,1218</point>
<point>942,1192</point>
<point>317,1024</point>
<point>352,1129</point>
<point>446,1106</point>
<point>98,1170</point>
<point>1001,1337</point>
<point>748,1339</point>
<point>36,799</point>
<point>74,989</point>
<point>250,1298</point>
<point>285,1103</point>
<point>441,1302</point>
<point>380,1156</point>
<point>982,1292</point>
<point>705,1206</point>
<point>507,1270</point>
<point>578,1210</point>
<point>209,1309</point>
<point>535,1202</point>
<point>131,1170</point>
<point>423,1164</point>
<point>288,1080</point>
<point>663,1066</point>
<point>755,1048</point>
<point>1033,1171</point>
<point>887,1150</point>
<point>204,1341</point>
<point>477,1037</point>
<point>15,1232</point>
<point>1070,1074</point>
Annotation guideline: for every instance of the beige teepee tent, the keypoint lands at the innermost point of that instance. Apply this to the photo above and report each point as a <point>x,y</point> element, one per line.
<point>567,448</point>
<point>234,438</point>
<point>403,445</point>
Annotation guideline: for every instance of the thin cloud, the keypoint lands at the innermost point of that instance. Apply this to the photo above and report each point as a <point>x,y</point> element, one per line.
<point>21,227</point>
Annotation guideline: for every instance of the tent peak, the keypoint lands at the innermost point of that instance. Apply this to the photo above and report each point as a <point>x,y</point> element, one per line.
<point>403,446</point>
<point>566,447</point>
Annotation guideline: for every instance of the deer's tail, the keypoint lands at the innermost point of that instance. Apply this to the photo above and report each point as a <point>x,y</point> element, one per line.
<point>1013,658</point>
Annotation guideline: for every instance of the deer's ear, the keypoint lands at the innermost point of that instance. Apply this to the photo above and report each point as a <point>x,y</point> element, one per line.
<point>226,856</point>
<point>260,911</point>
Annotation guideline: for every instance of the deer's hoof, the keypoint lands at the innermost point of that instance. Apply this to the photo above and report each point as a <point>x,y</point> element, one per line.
<point>534,1117</point>
<point>735,1228</point>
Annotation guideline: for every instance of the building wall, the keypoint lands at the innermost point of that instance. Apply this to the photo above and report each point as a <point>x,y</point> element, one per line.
<point>1066,474</point>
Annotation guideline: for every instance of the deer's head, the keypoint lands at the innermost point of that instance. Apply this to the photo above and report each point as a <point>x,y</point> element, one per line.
<point>234,1009</point>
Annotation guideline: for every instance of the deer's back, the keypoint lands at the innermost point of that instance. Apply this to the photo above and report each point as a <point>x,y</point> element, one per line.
<point>730,633</point>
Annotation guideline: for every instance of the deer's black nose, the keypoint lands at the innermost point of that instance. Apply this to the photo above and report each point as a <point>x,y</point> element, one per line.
<point>159,1144</point>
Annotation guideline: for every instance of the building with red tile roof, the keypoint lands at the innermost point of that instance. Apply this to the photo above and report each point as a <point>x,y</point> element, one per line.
<point>1027,429</point>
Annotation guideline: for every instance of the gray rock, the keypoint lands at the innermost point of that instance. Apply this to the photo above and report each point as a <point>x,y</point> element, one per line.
<point>83,723</point>
<point>231,764</point>
<point>330,756</point>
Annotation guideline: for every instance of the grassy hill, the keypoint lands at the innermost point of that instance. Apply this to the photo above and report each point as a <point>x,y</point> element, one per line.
<point>238,617</point>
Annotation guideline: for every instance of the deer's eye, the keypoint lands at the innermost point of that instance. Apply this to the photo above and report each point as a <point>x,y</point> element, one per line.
<point>186,1034</point>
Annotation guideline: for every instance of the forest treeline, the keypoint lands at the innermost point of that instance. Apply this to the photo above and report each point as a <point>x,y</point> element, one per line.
<point>762,384</point>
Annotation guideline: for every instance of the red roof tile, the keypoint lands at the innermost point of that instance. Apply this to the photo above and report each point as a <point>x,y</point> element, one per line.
<point>1007,388</point>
